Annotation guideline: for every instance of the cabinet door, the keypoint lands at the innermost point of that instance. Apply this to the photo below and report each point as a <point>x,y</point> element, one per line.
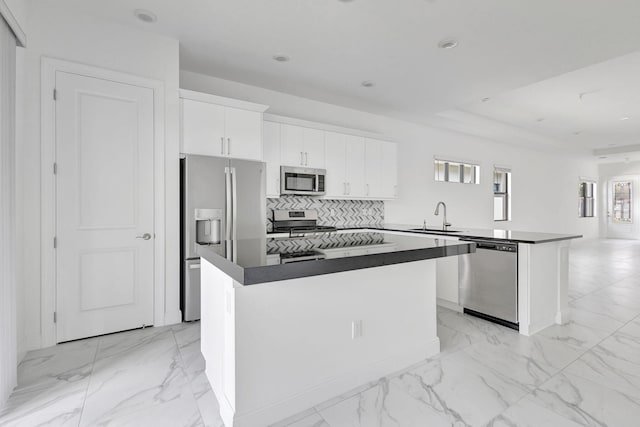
<point>292,145</point>
<point>355,154</point>
<point>335,164</point>
<point>373,168</point>
<point>271,150</point>
<point>202,128</point>
<point>389,175</point>
<point>313,148</point>
<point>243,130</point>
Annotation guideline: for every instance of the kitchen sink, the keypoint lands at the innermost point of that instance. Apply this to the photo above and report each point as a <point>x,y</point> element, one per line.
<point>435,230</point>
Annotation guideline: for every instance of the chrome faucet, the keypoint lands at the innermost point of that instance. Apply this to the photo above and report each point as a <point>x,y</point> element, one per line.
<point>445,224</point>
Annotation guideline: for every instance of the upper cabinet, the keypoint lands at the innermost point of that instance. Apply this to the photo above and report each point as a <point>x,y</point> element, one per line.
<point>381,166</point>
<point>345,160</point>
<point>217,126</point>
<point>301,146</point>
<point>357,167</point>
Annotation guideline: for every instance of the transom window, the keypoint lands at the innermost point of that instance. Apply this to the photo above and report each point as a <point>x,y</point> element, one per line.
<point>456,171</point>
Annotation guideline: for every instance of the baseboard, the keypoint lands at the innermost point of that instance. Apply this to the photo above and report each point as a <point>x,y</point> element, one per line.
<point>448,304</point>
<point>327,390</point>
<point>563,316</point>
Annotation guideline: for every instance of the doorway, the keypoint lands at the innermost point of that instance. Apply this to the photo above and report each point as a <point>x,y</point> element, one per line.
<point>622,207</point>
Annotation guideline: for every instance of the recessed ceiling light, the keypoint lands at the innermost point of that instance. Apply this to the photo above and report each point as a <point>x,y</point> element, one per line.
<point>368,83</point>
<point>577,133</point>
<point>448,43</point>
<point>624,118</point>
<point>540,119</point>
<point>485,99</point>
<point>281,57</point>
<point>145,16</point>
<point>602,157</point>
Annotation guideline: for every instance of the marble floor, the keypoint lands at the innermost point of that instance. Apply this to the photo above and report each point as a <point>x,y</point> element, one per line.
<point>584,373</point>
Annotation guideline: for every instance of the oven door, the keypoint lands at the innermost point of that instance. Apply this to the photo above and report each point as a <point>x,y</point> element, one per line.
<point>301,181</point>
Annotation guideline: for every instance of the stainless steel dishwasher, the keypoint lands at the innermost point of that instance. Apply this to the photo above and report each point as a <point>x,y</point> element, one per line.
<point>488,281</point>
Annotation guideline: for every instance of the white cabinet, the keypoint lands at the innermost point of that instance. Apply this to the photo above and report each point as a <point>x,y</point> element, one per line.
<point>381,169</point>
<point>216,126</point>
<point>345,164</point>
<point>271,150</point>
<point>301,146</point>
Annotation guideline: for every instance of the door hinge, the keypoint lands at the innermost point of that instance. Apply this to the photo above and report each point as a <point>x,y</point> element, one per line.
<point>55,242</point>
<point>55,168</point>
<point>55,317</point>
<point>55,94</point>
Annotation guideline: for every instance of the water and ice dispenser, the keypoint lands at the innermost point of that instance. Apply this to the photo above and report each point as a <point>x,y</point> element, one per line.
<point>208,226</point>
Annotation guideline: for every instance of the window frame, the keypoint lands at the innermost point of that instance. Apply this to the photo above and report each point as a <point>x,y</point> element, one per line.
<point>505,196</point>
<point>442,166</point>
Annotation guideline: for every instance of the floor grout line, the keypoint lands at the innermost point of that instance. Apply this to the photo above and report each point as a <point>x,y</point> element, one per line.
<point>86,393</point>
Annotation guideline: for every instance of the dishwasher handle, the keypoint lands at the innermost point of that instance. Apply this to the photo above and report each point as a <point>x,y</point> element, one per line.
<point>493,246</point>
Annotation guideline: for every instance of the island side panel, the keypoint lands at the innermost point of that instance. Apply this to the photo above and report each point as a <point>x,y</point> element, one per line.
<point>294,339</point>
<point>539,286</point>
<point>217,336</point>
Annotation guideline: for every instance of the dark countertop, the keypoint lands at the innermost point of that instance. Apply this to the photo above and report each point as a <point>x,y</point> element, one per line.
<point>470,233</point>
<point>250,261</point>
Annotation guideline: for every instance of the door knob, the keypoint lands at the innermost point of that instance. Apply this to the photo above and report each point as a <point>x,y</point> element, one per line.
<point>145,236</point>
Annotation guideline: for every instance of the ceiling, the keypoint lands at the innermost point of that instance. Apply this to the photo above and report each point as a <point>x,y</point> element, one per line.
<point>509,51</point>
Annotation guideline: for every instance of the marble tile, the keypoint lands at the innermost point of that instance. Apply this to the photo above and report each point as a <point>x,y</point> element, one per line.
<point>589,319</point>
<point>68,362</point>
<point>606,308</point>
<point>308,418</point>
<point>452,340</point>
<point>477,328</point>
<point>56,404</point>
<point>614,363</point>
<point>206,401</point>
<point>136,341</point>
<point>527,414</point>
<point>134,377</point>
<point>587,403</point>
<point>577,336</point>
<point>528,360</point>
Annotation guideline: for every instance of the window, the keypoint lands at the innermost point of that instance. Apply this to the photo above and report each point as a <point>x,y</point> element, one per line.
<point>501,194</point>
<point>622,192</point>
<point>452,171</point>
<point>587,199</point>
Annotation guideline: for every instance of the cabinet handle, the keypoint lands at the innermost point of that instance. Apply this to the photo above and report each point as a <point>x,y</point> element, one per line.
<point>367,189</point>
<point>222,145</point>
<point>344,188</point>
<point>306,158</point>
<point>301,158</point>
<point>228,146</point>
<point>349,188</point>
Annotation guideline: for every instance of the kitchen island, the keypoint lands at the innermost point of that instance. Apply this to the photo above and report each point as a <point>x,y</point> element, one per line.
<point>279,338</point>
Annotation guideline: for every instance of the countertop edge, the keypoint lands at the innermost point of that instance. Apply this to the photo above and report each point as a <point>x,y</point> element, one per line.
<point>279,272</point>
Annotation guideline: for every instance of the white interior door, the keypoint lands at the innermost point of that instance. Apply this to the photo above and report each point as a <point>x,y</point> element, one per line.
<point>622,207</point>
<point>104,206</point>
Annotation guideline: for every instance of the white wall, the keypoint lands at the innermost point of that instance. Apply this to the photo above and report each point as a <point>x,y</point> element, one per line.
<point>65,34</point>
<point>544,184</point>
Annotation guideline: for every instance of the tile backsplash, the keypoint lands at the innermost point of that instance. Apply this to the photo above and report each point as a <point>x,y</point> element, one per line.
<point>337,213</point>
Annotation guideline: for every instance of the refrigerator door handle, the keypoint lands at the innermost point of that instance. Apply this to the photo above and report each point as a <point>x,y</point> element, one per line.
<point>228,205</point>
<point>234,204</point>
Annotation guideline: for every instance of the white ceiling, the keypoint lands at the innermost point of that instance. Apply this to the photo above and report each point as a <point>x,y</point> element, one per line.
<point>505,47</point>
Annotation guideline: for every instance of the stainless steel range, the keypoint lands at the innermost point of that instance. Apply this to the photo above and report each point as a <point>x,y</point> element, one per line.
<point>299,223</point>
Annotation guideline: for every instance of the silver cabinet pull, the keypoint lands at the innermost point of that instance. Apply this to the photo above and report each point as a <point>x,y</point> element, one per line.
<point>228,146</point>
<point>306,158</point>
<point>222,145</point>
<point>367,189</point>
<point>348,188</point>
<point>344,188</point>
<point>145,236</point>
<point>301,158</point>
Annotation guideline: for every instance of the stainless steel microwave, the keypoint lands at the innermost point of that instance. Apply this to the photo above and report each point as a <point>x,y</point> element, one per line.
<point>302,181</point>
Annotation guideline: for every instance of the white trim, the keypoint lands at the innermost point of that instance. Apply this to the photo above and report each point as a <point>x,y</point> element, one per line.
<point>324,126</point>
<point>48,287</point>
<point>5,11</point>
<point>221,100</point>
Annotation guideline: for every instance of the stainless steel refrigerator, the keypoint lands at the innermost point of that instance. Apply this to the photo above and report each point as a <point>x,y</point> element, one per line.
<point>221,200</point>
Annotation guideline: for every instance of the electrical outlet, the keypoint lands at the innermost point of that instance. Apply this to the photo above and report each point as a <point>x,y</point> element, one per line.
<point>364,211</point>
<point>333,212</point>
<point>356,329</point>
